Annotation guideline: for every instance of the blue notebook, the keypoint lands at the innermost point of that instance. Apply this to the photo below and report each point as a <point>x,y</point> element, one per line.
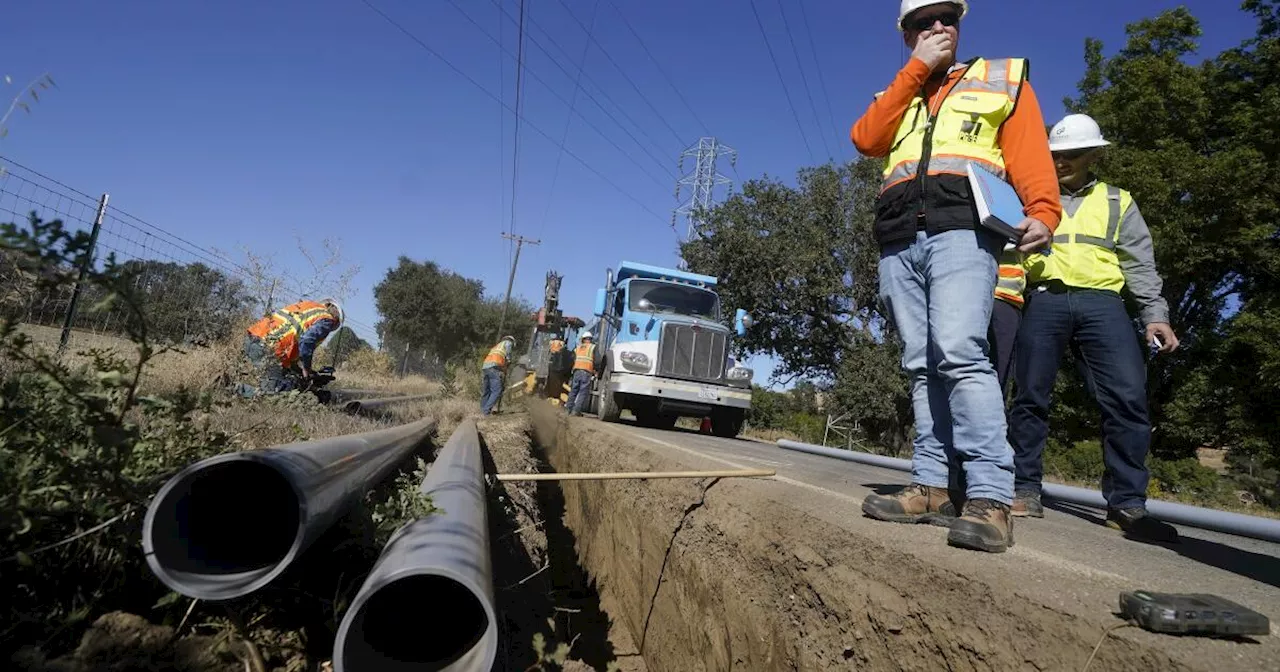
<point>999,208</point>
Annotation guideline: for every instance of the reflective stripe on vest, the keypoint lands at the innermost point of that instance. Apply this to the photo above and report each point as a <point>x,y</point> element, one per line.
<point>497,356</point>
<point>283,329</point>
<point>584,358</point>
<point>967,126</point>
<point>1011,283</point>
<point>1084,245</point>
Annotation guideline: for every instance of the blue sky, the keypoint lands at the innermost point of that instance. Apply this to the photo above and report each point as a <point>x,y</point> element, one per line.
<point>244,123</point>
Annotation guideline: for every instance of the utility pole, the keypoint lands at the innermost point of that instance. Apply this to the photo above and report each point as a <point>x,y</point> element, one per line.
<point>520,241</point>
<point>702,181</point>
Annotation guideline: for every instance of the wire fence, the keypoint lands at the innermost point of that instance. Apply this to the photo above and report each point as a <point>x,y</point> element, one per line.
<point>189,294</point>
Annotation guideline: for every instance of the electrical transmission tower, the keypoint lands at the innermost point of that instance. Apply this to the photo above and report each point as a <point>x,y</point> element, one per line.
<point>702,181</point>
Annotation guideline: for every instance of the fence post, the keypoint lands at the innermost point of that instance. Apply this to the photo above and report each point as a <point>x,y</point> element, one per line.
<point>84,270</point>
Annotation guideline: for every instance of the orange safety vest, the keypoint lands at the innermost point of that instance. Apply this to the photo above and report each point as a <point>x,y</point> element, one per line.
<point>283,329</point>
<point>497,356</point>
<point>584,358</point>
<point>1011,283</point>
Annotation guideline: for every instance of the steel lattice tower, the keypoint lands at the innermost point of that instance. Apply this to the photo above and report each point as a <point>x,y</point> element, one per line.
<point>702,182</point>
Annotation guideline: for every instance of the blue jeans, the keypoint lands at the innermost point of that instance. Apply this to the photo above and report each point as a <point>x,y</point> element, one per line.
<point>490,389</point>
<point>1101,335</point>
<point>579,391</point>
<point>271,378</point>
<point>938,290</point>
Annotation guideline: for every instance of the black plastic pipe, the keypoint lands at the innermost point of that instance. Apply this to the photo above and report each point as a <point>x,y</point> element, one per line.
<point>373,406</point>
<point>228,525</point>
<point>428,603</point>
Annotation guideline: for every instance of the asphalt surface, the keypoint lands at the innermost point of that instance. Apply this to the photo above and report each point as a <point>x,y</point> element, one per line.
<point>1069,559</point>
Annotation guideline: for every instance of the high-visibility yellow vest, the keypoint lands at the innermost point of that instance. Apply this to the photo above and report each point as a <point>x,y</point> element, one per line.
<point>1011,283</point>
<point>497,356</point>
<point>967,126</point>
<point>282,330</point>
<point>1084,244</point>
<point>584,358</point>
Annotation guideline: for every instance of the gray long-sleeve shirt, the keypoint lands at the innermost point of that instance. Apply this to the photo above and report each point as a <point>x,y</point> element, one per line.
<point>1137,256</point>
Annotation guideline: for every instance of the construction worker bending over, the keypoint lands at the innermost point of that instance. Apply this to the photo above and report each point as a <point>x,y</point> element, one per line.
<point>492,371</point>
<point>1103,246</point>
<point>586,361</point>
<point>938,266</point>
<point>288,337</point>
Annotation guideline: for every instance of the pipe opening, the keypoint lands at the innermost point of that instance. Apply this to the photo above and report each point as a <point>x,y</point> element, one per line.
<point>420,622</point>
<point>229,518</point>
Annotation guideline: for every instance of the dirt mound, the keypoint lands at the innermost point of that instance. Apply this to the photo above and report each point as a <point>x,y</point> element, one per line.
<point>120,641</point>
<point>714,575</point>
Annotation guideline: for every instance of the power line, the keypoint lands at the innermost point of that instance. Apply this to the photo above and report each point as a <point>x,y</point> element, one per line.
<point>822,79</point>
<point>568,119</point>
<point>804,79</point>
<point>427,48</point>
<point>640,93</point>
<point>515,150</point>
<point>502,126</point>
<point>658,65</point>
<point>782,81</point>
<point>572,106</point>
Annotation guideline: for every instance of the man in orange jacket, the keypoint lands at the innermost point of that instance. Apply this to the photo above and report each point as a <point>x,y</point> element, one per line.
<point>288,337</point>
<point>938,266</point>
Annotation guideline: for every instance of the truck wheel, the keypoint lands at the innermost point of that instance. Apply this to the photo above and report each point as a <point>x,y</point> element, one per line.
<point>727,422</point>
<point>608,410</point>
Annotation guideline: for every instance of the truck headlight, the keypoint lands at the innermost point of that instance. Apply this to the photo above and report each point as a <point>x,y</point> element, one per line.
<point>740,374</point>
<point>635,361</point>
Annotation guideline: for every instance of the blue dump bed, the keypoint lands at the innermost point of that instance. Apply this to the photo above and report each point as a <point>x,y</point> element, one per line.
<point>631,269</point>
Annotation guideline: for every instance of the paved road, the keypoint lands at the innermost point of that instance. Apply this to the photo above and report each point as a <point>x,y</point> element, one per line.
<point>1069,540</point>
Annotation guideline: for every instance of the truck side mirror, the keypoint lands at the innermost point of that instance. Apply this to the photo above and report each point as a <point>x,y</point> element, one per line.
<point>601,299</point>
<point>741,320</point>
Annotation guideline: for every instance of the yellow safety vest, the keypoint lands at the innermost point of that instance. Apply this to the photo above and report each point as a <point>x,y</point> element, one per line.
<point>1084,245</point>
<point>967,126</point>
<point>497,356</point>
<point>1011,283</point>
<point>584,358</point>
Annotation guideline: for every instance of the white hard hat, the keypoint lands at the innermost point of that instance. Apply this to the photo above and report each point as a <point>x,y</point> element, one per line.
<point>1076,131</point>
<point>909,6</point>
<point>586,335</point>
<point>335,309</point>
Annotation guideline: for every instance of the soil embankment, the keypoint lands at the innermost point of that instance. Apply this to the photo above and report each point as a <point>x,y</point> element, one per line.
<point>718,575</point>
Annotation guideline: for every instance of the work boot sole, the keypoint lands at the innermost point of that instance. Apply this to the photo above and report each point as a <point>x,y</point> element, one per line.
<point>976,542</point>
<point>1026,514</point>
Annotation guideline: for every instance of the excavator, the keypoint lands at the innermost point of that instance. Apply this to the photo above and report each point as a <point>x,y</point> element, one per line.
<point>548,362</point>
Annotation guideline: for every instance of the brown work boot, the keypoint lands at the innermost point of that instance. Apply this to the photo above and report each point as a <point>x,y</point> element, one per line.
<point>984,525</point>
<point>1026,503</point>
<point>913,504</point>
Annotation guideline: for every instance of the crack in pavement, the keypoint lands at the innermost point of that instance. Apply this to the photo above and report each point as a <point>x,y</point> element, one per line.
<point>653,601</point>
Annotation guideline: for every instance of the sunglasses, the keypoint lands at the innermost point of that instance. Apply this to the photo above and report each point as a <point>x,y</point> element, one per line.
<point>924,23</point>
<point>1072,154</point>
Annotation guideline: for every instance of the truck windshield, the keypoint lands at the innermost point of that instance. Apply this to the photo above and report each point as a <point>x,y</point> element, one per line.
<point>678,299</point>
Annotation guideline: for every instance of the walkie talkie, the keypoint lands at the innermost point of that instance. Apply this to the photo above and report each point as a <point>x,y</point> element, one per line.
<point>1192,614</point>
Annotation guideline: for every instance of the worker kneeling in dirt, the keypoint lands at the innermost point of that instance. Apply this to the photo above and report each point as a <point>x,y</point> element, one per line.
<point>586,360</point>
<point>289,337</point>
<point>492,371</point>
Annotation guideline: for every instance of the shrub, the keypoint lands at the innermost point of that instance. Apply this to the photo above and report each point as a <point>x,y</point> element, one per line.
<point>1082,462</point>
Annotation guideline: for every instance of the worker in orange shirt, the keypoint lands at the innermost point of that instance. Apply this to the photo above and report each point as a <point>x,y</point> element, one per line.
<point>938,266</point>
<point>289,337</point>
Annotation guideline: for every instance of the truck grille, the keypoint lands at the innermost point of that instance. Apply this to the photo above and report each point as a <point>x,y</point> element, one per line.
<point>695,353</point>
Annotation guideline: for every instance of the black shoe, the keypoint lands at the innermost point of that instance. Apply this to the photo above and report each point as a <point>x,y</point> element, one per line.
<point>1136,523</point>
<point>1027,503</point>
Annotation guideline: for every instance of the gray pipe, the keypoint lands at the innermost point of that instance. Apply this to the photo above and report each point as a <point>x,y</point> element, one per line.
<point>359,406</point>
<point>341,395</point>
<point>1239,524</point>
<point>226,526</point>
<point>428,603</point>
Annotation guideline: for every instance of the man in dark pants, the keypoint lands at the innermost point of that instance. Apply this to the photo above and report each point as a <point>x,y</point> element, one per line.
<point>1073,298</point>
<point>1006,315</point>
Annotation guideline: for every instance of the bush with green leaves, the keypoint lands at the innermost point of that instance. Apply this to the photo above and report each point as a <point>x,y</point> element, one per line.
<point>81,452</point>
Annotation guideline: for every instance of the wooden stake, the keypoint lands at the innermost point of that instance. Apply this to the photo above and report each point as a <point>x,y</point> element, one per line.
<point>642,475</point>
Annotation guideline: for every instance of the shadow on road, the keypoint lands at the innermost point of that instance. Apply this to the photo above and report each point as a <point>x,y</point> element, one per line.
<point>1254,566</point>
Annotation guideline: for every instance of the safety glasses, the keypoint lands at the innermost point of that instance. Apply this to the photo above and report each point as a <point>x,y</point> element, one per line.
<point>924,23</point>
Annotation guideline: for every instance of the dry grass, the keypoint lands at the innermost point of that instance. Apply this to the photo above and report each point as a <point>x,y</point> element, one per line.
<point>770,435</point>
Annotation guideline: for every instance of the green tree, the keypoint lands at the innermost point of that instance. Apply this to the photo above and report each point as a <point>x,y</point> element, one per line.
<point>424,306</point>
<point>803,261</point>
<point>1198,146</point>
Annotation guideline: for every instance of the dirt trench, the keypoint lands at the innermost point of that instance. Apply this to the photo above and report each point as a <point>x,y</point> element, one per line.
<point>719,575</point>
